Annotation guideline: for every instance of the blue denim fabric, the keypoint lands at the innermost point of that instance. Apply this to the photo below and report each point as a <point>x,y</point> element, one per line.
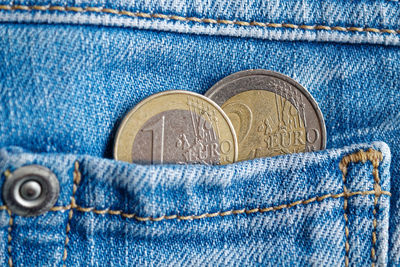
<point>70,70</point>
<point>287,210</point>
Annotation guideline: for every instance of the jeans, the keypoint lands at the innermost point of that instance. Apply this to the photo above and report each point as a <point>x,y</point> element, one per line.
<point>71,70</point>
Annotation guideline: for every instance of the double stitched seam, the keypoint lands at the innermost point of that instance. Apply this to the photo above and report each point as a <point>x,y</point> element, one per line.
<point>76,181</point>
<point>343,167</point>
<point>372,155</point>
<point>344,194</point>
<point>378,190</point>
<point>9,237</point>
<point>229,212</point>
<point>195,19</point>
<point>375,157</point>
<point>216,214</point>
<point>7,173</point>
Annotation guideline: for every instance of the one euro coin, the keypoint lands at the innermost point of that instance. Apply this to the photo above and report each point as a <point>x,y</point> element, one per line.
<point>179,127</point>
<point>271,113</point>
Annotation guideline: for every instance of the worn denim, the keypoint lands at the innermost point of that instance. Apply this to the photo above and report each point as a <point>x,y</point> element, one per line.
<point>71,70</point>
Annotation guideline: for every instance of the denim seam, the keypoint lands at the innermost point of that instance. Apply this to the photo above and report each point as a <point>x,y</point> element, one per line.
<point>205,215</point>
<point>346,221</point>
<point>375,157</point>
<point>7,173</point>
<point>9,237</point>
<point>377,188</point>
<point>230,212</point>
<point>76,181</point>
<point>216,214</point>
<point>196,19</point>
<point>372,155</point>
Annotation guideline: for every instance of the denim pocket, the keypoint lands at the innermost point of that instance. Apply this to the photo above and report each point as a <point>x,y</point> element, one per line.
<point>325,208</point>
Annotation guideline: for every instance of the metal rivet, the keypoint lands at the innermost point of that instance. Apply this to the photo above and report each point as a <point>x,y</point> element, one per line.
<point>31,190</point>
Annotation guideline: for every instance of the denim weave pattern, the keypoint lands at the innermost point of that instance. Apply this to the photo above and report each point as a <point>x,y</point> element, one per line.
<point>246,213</point>
<point>71,70</point>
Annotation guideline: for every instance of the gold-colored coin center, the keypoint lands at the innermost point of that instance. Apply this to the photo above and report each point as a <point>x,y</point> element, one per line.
<point>266,124</point>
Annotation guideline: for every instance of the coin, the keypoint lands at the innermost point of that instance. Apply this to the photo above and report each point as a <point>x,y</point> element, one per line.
<point>271,113</point>
<point>176,127</point>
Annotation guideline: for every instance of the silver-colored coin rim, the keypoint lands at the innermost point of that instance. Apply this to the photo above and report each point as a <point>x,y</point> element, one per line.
<point>252,72</point>
<point>189,93</point>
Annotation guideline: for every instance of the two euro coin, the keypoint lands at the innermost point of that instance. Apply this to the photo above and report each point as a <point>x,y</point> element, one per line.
<point>272,114</point>
<point>247,115</point>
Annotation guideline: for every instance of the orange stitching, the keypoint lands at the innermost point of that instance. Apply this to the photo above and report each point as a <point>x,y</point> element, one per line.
<point>195,19</point>
<point>77,179</point>
<point>229,212</point>
<point>375,157</point>
<point>215,214</point>
<point>7,174</point>
<point>377,188</point>
<point>9,237</point>
<point>343,168</point>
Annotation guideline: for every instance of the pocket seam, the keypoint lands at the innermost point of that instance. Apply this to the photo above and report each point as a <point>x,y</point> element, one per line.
<point>219,213</point>
<point>375,157</point>
<point>196,19</point>
<point>76,181</point>
<point>7,173</point>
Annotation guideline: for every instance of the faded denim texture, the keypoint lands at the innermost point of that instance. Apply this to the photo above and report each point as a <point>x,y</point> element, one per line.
<point>286,210</point>
<point>70,70</point>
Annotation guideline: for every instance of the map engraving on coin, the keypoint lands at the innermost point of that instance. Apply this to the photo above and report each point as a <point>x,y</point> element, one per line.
<point>176,127</point>
<point>271,113</point>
